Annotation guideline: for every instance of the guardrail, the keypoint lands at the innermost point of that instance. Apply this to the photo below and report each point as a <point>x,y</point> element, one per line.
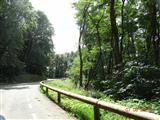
<point>97,104</point>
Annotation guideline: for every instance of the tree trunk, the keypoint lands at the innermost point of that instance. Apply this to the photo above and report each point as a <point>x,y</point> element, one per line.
<point>79,44</point>
<point>90,73</point>
<point>116,48</point>
<point>81,62</point>
<point>122,19</point>
<point>110,63</point>
<point>100,52</point>
<point>155,32</point>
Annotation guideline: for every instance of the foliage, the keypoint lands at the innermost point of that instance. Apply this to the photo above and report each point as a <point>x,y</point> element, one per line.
<point>38,45</point>
<point>120,47</point>
<point>25,39</point>
<point>13,22</point>
<point>59,64</point>
<point>136,80</point>
<point>74,70</point>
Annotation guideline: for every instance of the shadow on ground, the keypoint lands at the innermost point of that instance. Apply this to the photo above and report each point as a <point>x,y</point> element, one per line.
<point>17,86</point>
<point>14,87</point>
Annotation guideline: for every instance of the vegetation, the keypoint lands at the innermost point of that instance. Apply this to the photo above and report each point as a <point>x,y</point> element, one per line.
<point>85,112</point>
<point>25,40</point>
<point>60,64</point>
<point>119,48</point>
<point>118,52</point>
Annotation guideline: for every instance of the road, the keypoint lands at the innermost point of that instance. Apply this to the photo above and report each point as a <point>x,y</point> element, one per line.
<point>25,102</point>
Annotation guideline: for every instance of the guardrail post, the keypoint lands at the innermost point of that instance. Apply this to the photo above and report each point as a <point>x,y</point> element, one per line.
<point>96,113</point>
<point>46,91</point>
<point>42,88</point>
<point>58,97</point>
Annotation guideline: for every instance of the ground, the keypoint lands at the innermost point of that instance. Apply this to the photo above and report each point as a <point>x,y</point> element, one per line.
<point>24,101</point>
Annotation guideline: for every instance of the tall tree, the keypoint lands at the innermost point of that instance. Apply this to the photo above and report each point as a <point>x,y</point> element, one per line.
<point>38,45</point>
<point>81,29</point>
<point>127,32</point>
<point>115,35</point>
<point>25,39</point>
<point>14,20</point>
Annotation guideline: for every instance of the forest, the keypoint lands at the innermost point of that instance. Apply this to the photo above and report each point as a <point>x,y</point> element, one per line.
<point>119,47</point>
<point>25,40</point>
<point>118,50</point>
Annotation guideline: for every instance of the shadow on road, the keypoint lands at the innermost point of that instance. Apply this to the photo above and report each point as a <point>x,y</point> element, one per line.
<point>2,118</point>
<point>18,86</point>
<point>14,87</point>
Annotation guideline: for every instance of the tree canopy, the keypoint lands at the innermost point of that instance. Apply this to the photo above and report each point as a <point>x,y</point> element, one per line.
<point>119,47</point>
<point>25,39</point>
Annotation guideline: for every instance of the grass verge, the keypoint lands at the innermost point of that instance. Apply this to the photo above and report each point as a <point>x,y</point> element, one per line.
<point>84,111</point>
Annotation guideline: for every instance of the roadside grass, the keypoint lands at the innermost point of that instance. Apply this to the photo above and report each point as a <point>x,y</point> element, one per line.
<point>84,111</point>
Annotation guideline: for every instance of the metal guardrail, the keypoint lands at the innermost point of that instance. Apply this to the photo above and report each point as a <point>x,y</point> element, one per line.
<point>97,104</point>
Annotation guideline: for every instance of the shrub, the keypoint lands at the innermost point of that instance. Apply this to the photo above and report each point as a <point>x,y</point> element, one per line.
<point>135,80</point>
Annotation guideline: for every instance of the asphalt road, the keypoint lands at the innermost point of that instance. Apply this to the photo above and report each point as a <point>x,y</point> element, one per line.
<point>24,102</point>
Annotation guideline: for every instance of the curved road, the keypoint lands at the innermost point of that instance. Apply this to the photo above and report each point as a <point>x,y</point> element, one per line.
<point>24,101</point>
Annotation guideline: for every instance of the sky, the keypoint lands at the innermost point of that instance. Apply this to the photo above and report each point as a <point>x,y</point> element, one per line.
<point>61,15</point>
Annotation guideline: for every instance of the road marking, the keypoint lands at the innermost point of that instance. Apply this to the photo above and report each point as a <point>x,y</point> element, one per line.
<point>30,106</point>
<point>34,116</point>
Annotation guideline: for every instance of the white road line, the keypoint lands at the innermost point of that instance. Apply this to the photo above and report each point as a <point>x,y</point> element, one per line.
<point>34,116</point>
<point>30,106</point>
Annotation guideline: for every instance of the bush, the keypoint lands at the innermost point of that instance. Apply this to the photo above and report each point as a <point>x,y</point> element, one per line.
<point>135,80</point>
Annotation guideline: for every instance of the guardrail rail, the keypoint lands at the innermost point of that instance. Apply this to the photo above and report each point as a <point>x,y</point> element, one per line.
<point>98,104</point>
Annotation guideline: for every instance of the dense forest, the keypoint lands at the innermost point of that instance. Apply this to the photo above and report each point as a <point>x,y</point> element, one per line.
<point>118,48</point>
<point>25,40</point>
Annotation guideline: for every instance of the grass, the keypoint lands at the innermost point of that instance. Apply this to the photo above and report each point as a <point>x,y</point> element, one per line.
<point>84,111</point>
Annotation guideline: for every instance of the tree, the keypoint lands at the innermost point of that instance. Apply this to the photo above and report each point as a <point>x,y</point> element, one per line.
<point>25,39</point>
<point>120,46</point>
<point>115,35</point>
<point>60,64</point>
<point>14,17</point>
<point>38,45</point>
<point>81,29</point>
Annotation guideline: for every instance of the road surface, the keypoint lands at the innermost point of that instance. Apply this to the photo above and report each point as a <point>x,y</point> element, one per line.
<point>24,101</point>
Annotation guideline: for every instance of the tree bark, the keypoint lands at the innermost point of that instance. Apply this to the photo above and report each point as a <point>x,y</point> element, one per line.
<point>122,19</point>
<point>116,48</point>
<point>155,32</point>
<point>81,62</point>
<point>79,44</point>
